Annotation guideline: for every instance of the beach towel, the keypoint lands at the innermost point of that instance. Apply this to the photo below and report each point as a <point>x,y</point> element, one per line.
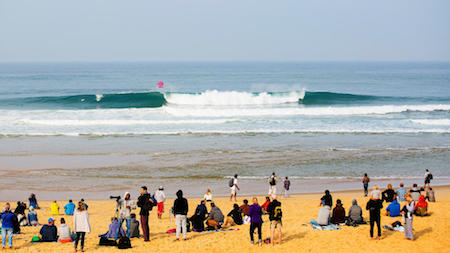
<point>316,226</point>
<point>397,228</point>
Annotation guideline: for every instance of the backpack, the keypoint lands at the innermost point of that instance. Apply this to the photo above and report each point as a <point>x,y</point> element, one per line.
<point>124,243</point>
<point>430,176</point>
<point>277,213</point>
<point>272,181</point>
<point>106,242</point>
<point>231,182</point>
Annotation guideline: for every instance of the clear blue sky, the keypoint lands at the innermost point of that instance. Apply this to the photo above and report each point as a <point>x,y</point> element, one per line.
<point>231,30</point>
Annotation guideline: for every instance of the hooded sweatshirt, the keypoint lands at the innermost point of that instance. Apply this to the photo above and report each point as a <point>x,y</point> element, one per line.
<point>393,209</point>
<point>180,205</point>
<point>324,215</point>
<point>355,211</point>
<point>216,215</point>
<point>124,211</point>
<point>422,203</point>
<point>338,214</point>
<point>64,231</point>
<point>255,213</point>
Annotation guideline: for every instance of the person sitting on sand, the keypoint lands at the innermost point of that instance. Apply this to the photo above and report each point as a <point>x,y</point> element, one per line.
<point>374,206</point>
<point>208,196</point>
<point>388,194</point>
<point>256,221</point>
<point>338,215</point>
<point>134,226</point>
<point>393,209</point>
<point>324,216</point>
<point>234,217</point>
<point>49,232</point>
<point>421,208</point>
<point>275,215</point>
<point>327,199</point>
<point>245,209</point>
<point>215,217</point>
<point>54,208</point>
<point>407,212</point>
<point>85,205</point>
<point>33,201</point>
<point>430,195</point>
<point>69,208</point>
<point>32,217</point>
<point>199,217</point>
<point>64,232</point>
<point>401,193</point>
<point>355,213</point>
<point>415,192</point>
<point>115,230</point>
<point>265,205</point>
<point>375,194</point>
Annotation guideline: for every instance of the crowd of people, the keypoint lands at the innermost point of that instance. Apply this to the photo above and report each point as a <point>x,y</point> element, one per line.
<point>414,203</point>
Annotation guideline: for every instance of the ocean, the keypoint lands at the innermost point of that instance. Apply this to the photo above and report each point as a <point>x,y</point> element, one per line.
<point>88,129</point>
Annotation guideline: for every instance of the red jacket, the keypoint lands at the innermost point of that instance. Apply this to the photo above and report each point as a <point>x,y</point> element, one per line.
<point>422,202</point>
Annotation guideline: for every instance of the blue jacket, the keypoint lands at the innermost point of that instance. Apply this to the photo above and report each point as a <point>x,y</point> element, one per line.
<point>32,216</point>
<point>8,219</point>
<point>394,209</point>
<point>69,208</point>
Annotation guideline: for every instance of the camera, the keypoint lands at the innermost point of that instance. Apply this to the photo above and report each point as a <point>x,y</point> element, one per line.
<point>117,198</point>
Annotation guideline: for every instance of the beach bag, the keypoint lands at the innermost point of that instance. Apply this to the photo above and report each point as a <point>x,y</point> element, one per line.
<point>277,213</point>
<point>231,182</point>
<point>35,239</point>
<point>106,242</point>
<point>124,243</point>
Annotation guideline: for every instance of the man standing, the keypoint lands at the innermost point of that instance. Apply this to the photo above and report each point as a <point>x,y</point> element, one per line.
<point>145,202</point>
<point>234,187</point>
<point>287,186</point>
<point>365,182</point>
<point>9,220</point>
<point>273,185</point>
<point>180,209</point>
<point>428,176</point>
<point>275,214</point>
<point>160,198</point>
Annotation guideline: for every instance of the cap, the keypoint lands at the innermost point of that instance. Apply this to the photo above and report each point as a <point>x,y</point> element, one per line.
<point>50,220</point>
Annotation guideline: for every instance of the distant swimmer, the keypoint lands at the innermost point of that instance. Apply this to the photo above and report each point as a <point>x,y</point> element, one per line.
<point>160,84</point>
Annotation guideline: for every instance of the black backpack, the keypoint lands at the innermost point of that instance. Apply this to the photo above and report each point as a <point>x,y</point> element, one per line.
<point>106,242</point>
<point>231,182</point>
<point>124,243</point>
<point>272,181</point>
<point>430,176</point>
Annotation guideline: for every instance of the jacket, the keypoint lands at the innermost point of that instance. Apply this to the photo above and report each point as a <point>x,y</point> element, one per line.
<point>216,215</point>
<point>236,214</point>
<point>374,207</point>
<point>355,211</point>
<point>124,211</point>
<point>64,231</point>
<point>160,196</point>
<point>338,214</point>
<point>134,228</point>
<point>8,219</point>
<point>422,203</point>
<point>255,214</point>
<point>81,222</point>
<point>180,205</point>
<point>144,204</point>
<point>69,208</point>
<point>401,194</point>
<point>415,193</point>
<point>327,200</point>
<point>271,209</point>
<point>324,216</point>
<point>32,218</point>
<point>54,209</point>
<point>201,211</point>
<point>393,209</point>
<point>245,209</point>
<point>388,195</point>
<point>49,233</point>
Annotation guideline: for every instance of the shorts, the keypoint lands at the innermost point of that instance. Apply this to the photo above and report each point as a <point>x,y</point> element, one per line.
<point>427,181</point>
<point>273,190</point>
<point>275,224</point>
<point>233,190</point>
<point>160,207</point>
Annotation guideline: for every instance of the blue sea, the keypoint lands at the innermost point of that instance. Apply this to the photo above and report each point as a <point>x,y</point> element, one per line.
<point>108,126</point>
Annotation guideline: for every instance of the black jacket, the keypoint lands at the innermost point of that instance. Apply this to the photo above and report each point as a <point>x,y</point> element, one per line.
<point>145,204</point>
<point>49,233</point>
<point>271,209</point>
<point>374,207</point>
<point>180,205</point>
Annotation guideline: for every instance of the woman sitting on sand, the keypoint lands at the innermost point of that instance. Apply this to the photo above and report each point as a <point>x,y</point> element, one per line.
<point>327,199</point>
<point>64,232</point>
<point>338,216</point>
<point>208,196</point>
<point>256,221</point>
<point>421,208</point>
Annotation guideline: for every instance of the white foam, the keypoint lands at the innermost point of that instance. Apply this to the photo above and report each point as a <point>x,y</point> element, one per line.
<point>98,97</point>
<point>214,97</point>
<point>123,122</point>
<point>432,122</point>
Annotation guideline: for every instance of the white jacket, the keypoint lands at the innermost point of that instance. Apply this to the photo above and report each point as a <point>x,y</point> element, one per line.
<point>160,196</point>
<point>124,211</point>
<point>81,222</point>
<point>64,231</point>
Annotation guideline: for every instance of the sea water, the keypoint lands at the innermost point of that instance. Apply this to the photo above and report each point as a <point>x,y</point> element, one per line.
<point>80,127</point>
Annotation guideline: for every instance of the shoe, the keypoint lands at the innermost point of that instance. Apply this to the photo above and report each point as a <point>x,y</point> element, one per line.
<point>177,240</point>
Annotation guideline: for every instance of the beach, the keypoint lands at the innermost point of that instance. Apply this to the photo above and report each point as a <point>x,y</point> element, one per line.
<point>431,232</point>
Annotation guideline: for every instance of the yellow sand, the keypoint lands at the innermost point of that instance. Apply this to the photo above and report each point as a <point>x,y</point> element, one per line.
<point>432,233</point>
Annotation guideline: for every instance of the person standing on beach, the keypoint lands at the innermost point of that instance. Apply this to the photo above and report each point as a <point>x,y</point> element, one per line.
<point>256,221</point>
<point>8,221</point>
<point>273,185</point>
<point>180,209</point>
<point>145,203</point>
<point>407,212</point>
<point>234,187</point>
<point>275,215</point>
<point>428,176</point>
<point>81,224</point>
<point>374,206</point>
<point>160,197</point>
<point>126,205</point>
<point>365,182</point>
<point>286,187</point>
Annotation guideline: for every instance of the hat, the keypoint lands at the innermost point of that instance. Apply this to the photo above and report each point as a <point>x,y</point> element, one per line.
<point>161,187</point>
<point>50,220</point>
<point>31,208</point>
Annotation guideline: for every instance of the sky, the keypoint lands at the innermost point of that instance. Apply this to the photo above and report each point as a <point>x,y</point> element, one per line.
<point>232,30</point>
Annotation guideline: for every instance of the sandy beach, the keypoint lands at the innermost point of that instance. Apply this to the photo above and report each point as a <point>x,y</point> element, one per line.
<point>431,232</point>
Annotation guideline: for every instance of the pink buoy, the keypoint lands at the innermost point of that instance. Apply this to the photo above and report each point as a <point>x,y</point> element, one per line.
<point>160,84</point>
